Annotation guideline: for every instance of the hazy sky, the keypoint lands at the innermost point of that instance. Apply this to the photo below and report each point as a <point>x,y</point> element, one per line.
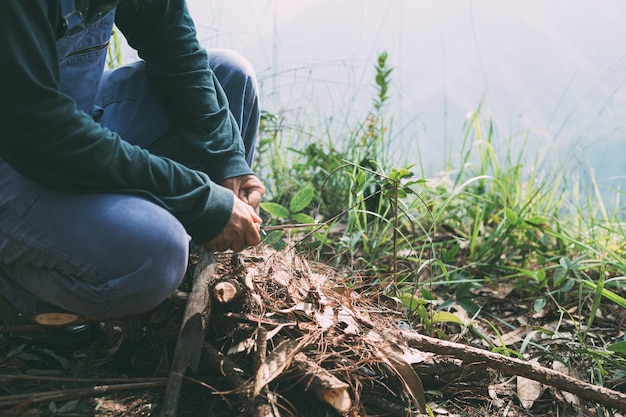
<point>557,67</point>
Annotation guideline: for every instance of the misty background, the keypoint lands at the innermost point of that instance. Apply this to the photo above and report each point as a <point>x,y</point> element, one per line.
<point>551,72</point>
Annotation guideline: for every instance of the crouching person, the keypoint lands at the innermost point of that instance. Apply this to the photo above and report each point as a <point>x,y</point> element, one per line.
<point>106,176</point>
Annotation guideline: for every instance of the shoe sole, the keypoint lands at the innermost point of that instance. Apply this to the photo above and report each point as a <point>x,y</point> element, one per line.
<point>56,319</point>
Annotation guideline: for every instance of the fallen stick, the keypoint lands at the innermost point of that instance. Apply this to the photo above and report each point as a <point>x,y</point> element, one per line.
<point>99,381</point>
<point>192,333</point>
<point>227,369</point>
<point>72,394</point>
<point>261,405</point>
<point>514,366</point>
<point>235,378</point>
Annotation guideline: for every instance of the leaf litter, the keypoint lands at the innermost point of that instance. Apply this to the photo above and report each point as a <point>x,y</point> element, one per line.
<point>302,340</point>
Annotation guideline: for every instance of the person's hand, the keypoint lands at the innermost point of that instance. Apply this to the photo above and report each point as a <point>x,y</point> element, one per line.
<point>241,231</point>
<point>248,188</point>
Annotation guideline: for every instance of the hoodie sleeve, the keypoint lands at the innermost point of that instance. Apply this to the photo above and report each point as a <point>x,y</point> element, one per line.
<point>164,35</point>
<point>46,138</point>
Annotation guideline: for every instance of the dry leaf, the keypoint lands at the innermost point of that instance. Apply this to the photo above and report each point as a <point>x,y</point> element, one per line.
<point>275,363</point>
<point>512,337</point>
<point>528,390</point>
<point>408,377</point>
<point>325,318</point>
<point>346,317</point>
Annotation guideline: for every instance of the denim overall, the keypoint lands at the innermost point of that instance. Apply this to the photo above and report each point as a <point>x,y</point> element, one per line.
<point>105,255</point>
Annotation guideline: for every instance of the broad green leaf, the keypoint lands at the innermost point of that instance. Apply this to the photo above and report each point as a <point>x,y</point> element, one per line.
<point>427,295</point>
<point>445,317</point>
<point>618,347</point>
<point>359,181</point>
<point>415,182</point>
<point>322,238</point>
<point>470,306</point>
<point>302,218</point>
<point>411,301</point>
<point>539,275</point>
<point>559,276</point>
<point>423,313</point>
<point>511,216</point>
<point>273,237</point>
<point>539,304</point>
<point>565,262</point>
<point>569,284</point>
<point>301,199</point>
<point>275,210</point>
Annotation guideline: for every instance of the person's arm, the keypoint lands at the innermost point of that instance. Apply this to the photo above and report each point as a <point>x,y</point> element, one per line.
<point>46,138</point>
<point>163,33</point>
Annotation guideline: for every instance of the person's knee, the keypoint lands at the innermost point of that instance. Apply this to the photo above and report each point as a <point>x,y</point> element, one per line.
<point>229,65</point>
<point>157,246</point>
<point>166,271</point>
<point>160,274</point>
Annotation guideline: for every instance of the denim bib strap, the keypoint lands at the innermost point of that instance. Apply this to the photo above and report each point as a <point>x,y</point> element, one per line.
<point>82,56</point>
<point>72,17</point>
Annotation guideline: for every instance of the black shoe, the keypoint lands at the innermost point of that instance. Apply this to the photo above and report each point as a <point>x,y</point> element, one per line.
<point>57,330</point>
<point>66,338</point>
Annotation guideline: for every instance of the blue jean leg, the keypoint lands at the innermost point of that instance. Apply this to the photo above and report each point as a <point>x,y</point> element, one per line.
<point>237,78</point>
<point>134,110</point>
<point>105,255</point>
<point>99,255</point>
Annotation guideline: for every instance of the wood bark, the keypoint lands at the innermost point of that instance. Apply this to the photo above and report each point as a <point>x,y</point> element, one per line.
<point>192,332</point>
<point>514,366</point>
<point>324,385</point>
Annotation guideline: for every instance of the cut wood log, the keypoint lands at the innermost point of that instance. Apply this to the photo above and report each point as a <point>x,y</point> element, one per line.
<point>226,291</point>
<point>513,366</point>
<point>324,385</point>
<point>192,332</point>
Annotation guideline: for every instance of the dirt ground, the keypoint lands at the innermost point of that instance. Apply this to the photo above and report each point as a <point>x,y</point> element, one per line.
<point>301,340</point>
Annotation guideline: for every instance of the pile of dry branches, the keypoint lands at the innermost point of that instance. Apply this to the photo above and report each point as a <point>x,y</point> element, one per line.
<point>288,336</point>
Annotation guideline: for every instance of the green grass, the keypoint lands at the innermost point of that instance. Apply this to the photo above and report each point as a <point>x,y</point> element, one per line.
<point>490,220</point>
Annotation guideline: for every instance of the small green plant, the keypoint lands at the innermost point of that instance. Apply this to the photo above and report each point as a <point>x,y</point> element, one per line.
<point>114,50</point>
<point>294,213</point>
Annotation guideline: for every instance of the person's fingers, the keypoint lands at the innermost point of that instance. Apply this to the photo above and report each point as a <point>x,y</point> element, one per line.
<point>243,195</point>
<point>252,236</point>
<point>232,184</point>
<point>254,198</point>
<point>248,188</point>
<point>238,247</point>
<point>242,230</point>
<point>256,219</point>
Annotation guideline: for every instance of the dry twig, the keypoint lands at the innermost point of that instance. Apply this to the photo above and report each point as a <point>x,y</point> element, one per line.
<point>192,333</point>
<point>513,366</point>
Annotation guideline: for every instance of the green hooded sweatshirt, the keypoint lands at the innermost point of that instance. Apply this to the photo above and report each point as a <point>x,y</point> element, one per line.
<point>46,138</point>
